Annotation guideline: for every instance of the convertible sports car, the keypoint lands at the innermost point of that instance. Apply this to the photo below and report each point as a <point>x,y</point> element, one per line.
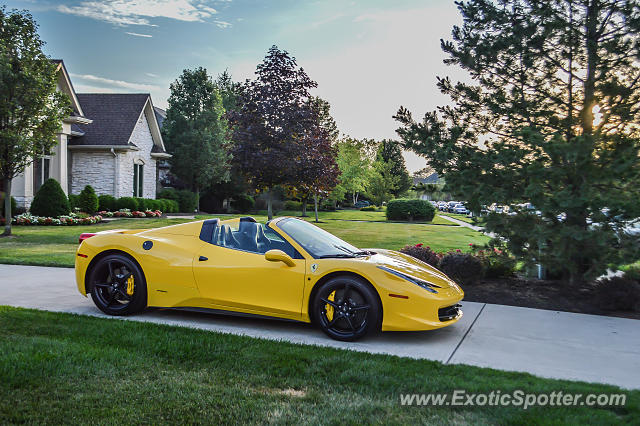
<point>286,268</point>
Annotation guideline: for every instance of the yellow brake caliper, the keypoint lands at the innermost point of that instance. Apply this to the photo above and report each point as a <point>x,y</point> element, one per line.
<point>328,308</point>
<point>130,285</point>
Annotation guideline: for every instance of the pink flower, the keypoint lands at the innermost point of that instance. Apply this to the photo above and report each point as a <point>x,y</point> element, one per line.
<point>419,245</point>
<point>458,251</point>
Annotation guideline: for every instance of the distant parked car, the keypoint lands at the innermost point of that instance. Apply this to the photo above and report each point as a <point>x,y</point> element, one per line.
<point>361,204</point>
<point>461,209</point>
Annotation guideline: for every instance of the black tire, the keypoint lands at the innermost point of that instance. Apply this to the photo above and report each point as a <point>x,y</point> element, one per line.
<point>110,286</point>
<point>346,318</point>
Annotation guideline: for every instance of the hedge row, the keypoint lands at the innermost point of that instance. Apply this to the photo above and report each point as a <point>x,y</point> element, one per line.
<point>112,204</point>
<point>410,209</point>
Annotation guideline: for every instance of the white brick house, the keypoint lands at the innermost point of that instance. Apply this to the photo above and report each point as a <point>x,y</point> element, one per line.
<point>111,142</point>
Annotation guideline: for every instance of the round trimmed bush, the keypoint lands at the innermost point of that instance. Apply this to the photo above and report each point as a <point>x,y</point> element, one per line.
<point>422,252</point>
<point>74,201</point>
<point>187,200</point>
<point>142,204</point>
<point>151,204</point>
<point>170,206</point>
<point>243,203</point>
<point>410,209</point>
<point>167,194</point>
<point>88,200</point>
<point>107,203</point>
<point>50,200</point>
<point>127,203</point>
<point>461,267</point>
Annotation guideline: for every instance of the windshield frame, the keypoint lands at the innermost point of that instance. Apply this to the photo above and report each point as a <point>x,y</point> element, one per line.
<point>347,251</point>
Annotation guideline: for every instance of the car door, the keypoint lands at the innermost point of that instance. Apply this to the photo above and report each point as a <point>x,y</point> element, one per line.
<point>234,274</point>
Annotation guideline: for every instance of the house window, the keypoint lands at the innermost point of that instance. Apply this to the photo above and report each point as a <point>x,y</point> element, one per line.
<point>40,172</point>
<point>137,180</point>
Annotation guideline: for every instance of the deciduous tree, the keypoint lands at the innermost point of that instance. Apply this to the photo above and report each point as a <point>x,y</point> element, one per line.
<point>196,132</point>
<point>31,109</point>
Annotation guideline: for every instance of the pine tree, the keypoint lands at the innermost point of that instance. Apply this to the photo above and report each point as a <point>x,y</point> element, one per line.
<point>550,118</point>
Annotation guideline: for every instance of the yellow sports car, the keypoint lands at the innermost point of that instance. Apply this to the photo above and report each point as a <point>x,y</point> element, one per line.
<point>286,268</point>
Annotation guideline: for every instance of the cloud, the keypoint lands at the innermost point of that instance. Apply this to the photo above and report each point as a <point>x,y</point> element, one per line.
<point>150,74</point>
<point>222,24</point>
<point>138,34</point>
<point>124,12</point>
<point>114,83</point>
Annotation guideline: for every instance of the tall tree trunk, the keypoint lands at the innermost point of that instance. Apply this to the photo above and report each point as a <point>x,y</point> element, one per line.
<point>197,198</point>
<point>7,207</point>
<point>304,205</point>
<point>315,202</point>
<point>269,205</point>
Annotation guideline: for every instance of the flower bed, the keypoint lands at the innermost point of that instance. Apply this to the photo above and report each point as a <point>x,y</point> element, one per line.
<point>129,213</point>
<point>69,220</point>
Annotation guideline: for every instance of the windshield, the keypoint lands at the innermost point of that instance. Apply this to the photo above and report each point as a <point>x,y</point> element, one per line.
<point>316,241</point>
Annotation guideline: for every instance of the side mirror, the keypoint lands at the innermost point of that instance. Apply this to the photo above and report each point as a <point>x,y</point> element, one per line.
<point>279,256</point>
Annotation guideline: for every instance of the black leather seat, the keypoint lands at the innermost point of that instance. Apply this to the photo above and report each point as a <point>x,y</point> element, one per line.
<point>248,233</point>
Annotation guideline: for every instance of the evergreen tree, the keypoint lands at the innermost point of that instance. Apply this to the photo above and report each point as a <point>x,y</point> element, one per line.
<point>390,152</point>
<point>551,118</point>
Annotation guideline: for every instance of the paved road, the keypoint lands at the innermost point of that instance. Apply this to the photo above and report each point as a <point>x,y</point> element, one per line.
<point>545,343</point>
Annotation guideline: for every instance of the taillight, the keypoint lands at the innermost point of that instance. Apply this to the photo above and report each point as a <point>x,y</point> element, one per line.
<point>84,236</point>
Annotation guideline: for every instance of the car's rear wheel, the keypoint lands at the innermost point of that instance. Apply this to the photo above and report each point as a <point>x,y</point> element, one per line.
<point>117,285</point>
<point>346,308</point>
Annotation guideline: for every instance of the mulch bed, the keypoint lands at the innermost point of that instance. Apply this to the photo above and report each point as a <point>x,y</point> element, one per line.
<point>540,294</point>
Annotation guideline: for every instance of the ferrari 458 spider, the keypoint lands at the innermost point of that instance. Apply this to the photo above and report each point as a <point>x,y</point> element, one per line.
<point>286,268</point>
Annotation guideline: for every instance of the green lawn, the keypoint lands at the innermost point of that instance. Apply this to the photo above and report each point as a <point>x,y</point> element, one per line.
<point>353,215</point>
<point>68,369</point>
<point>56,245</point>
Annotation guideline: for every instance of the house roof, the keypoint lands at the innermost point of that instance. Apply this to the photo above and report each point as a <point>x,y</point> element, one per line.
<point>67,87</point>
<point>432,178</point>
<point>161,115</point>
<point>114,117</point>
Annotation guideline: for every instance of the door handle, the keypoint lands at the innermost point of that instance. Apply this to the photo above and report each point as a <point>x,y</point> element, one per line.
<point>202,258</point>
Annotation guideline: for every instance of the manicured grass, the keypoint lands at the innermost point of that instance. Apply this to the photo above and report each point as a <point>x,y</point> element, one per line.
<point>69,369</point>
<point>351,214</point>
<point>56,245</point>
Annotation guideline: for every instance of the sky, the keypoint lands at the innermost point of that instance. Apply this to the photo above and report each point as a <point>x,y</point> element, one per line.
<point>368,57</point>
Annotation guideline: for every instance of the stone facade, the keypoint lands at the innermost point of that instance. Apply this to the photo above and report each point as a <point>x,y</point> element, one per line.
<point>141,137</point>
<point>95,168</point>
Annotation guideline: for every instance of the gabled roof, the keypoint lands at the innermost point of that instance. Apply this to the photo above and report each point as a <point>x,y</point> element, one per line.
<point>67,87</point>
<point>161,115</point>
<point>114,118</point>
<point>432,178</point>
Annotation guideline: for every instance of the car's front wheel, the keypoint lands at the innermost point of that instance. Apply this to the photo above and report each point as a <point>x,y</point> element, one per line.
<point>346,308</point>
<point>117,285</point>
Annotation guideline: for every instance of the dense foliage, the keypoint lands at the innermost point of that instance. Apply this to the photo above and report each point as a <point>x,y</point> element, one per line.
<point>196,131</point>
<point>107,202</point>
<point>187,200</point>
<point>50,200</point>
<point>410,209</point>
<point>88,200</point>
<point>31,109</point>
<point>551,118</point>
<point>463,268</point>
<point>422,252</point>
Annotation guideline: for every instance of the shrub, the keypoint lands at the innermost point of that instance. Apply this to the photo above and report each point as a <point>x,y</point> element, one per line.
<point>410,209</point>
<point>142,204</point>
<point>496,261</point>
<point>187,201</point>
<point>74,201</point>
<point>162,206</point>
<point>461,267</point>
<point>243,203</point>
<point>168,194</point>
<point>88,200</point>
<point>618,293</point>
<point>631,272</point>
<point>170,206</point>
<point>368,209</point>
<point>326,206</point>
<point>422,252</point>
<point>130,203</point>
<point>50,200</point>
<point>107,203</point>
<point>152,205</point>
<point>292,205</point>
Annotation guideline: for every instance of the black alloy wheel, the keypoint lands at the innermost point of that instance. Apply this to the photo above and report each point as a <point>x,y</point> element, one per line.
<point>117,285</point>
<point>346,308</point>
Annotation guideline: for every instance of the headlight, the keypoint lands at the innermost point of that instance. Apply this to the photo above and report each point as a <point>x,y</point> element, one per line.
<point>424,284</point>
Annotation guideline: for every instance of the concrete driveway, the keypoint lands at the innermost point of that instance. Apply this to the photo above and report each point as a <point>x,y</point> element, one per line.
<point>545,343</point>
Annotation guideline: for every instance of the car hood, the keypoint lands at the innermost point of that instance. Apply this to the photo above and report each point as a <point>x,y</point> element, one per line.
<point>411,266</point>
